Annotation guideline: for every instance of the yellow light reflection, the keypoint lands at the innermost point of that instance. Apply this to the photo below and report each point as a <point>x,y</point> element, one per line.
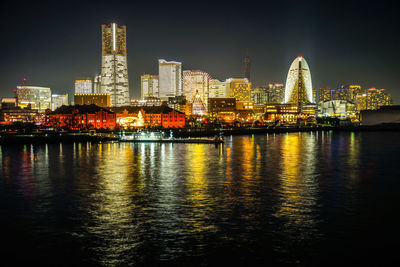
<point>299,188</point>
<point>198,196</point>
<point>111,209</point>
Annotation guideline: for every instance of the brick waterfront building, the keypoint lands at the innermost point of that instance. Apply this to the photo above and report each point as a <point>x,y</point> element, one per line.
<point>79,117</point>
<point>153,117</point>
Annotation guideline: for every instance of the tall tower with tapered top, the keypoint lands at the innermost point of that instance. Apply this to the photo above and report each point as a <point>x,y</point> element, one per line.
<point>298,88</point>
<point>114,64</point>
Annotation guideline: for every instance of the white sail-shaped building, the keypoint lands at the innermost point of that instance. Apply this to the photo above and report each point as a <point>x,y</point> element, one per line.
<point>298,88</point>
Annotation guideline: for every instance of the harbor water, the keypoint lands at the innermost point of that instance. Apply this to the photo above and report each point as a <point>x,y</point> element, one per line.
<point>312,198</point>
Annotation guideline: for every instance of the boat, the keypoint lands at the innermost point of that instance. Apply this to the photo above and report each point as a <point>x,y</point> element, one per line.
<point>158,137</point>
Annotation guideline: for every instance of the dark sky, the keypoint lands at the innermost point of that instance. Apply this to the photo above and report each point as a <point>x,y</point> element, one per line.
<point>349,42</point>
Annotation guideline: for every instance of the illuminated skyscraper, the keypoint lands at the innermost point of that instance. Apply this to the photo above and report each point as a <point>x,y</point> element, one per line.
<point>276,93</point>
<point>377,98</point>
<point>298,89</point>
<point>325,94</point>
<point>83,86</point>
<point>195,84</point>
<point>149,85</point>
<point>259,95</point>
<point>240,89</point>
<point>114,66</point>
<point>353,91</point>
<point>58,101</point>
<point>218,89</point>
<point>169,79</point>
<point>97,84</point>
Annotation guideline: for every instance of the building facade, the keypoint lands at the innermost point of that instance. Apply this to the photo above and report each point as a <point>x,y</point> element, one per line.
<point>353,91</point>
<point>337,108</point>
<point>376,98</point>
<point>101,100</point>
<point>97,84</point>
<point>218,89</point>
<point>276,93</point>
<point>151,117</point>
<point>114,65</point>
<point>83,86</point>
<point>259,95</point>
<point>240,89</point>
<point>170,79</point>
<point>80,117</point>
<point>58,101</point>
<point>148,85</point>
<point>298,88</point>
<point>37,97</point>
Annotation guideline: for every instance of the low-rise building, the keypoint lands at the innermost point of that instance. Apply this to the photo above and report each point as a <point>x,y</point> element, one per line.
<point>101,100</point>
<point>337,108</point>
<point>10,114</point>
<point>150,117</point>
<point>216,105</point>
<point>384,115</point>
<point>78,117</point>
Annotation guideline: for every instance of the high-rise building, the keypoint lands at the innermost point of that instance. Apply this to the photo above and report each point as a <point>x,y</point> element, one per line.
<point>247,65</point>
<point>195,85</point>
<point>259,95</point>
<point>218,89</point>
<point>37,97</point>
<point>97,84</point>
<point>325,94</point>
<point>169,79</point>
<point>240,89</point>
<point>58,101</point>
<point>276,93</point>
<point>298,89</point>
<point>376,98</point>
<point>353,91</point>
<point>149,85</point>
<point>340,93</point>
<point>114,65</point>
<point>83,86</point>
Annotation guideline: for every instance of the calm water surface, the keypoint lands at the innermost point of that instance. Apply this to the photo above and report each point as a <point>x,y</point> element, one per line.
<point>298,198</point>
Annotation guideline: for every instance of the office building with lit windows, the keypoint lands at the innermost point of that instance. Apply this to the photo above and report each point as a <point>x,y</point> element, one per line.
<point>259,95</point>
<point>101,100</point>
<point>148,85</point>
<point>218,89</point>
<point>353,91</point>
<point>114,65</point>
<point>97,84</point>
<point>276,93</point>
<point>169,79</point>
<point>34,96</point>
<point>83,86</point>
<point>376,98</point>
<point>240,89</point>
<point>58,101</point>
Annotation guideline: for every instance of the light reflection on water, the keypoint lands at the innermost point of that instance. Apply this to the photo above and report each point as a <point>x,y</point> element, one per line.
<point>148,203</point>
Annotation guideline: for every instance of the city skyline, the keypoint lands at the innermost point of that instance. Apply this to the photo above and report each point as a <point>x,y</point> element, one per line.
<point>220,56</point>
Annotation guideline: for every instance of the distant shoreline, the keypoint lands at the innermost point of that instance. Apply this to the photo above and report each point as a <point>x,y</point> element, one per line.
<point>57,137</point>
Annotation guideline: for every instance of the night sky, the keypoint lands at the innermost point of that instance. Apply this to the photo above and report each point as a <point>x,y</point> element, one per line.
<point>352,42</point>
